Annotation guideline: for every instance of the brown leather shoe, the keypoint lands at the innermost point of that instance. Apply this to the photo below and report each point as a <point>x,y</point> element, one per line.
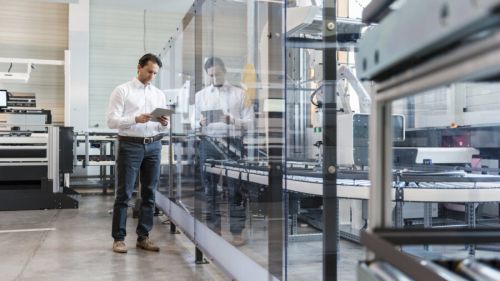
<point>239,240</point>
<point>119,247</point>
<point>147,245</point>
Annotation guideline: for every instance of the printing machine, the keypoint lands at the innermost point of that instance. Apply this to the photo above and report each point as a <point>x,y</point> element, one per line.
<point>35,157</point>
<point>32,169</point>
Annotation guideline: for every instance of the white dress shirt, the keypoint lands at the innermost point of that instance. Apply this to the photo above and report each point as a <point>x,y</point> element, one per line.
<point>132,99</point>
<point>229,99</point>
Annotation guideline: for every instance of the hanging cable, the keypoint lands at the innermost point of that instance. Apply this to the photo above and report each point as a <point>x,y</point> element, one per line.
<point>318,104</point>
<point>144,31</point>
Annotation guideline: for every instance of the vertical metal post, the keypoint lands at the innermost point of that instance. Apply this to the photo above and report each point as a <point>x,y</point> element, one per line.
<point>199,256</point>
<point>330,202</point>
<point>75,144</point>
<point>198,85</point>
<point>398,208</point>
<point>87,148</point>
<point>427,219</point>
<point>171,172</point>
<point>102,168</point>
<point>471,223</point>
<point>173,228</point>
<point>276,58</point>
<point>380,163</point>
<point>398,215</point>
<point>171,193</point>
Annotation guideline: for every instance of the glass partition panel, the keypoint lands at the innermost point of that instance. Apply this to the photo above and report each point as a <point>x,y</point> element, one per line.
<point>179,159</point>
<point>304,144</point>
<point>244,78</point>
<point>326,151</point>
<point>234,108</point>
<point>242,82</point>
<point>224,77</point>
<point>222,117</point>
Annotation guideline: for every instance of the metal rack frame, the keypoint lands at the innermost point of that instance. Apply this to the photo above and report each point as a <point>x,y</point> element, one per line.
<point>394,78</point>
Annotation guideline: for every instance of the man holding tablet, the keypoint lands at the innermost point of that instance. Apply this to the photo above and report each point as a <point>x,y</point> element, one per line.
<point>135,109</point>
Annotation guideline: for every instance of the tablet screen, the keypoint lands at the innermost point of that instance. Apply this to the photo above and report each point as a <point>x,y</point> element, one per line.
<point>214,116</point>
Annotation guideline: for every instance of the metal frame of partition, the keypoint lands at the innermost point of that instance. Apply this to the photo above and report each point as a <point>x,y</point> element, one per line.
<point>198,79</point>
<point>330,200</point>
<point>276,212</point>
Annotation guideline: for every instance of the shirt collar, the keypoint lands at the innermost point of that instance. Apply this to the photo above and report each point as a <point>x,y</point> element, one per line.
<point>138,84</point>
<point>225,85</point>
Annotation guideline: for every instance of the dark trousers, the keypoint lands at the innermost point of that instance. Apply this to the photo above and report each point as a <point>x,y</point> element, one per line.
<point>237,215</point>
<point>132,158</point>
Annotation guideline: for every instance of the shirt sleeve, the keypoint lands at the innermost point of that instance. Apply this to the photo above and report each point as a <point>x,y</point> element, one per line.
<point>116,109</point>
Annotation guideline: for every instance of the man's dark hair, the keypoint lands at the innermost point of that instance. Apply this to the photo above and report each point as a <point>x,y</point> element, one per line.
<point>149,57</point>
<point>213,61</point>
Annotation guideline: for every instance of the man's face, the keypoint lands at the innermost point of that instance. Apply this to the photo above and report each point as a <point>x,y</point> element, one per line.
<point>147,73</point>
<point>216,75</point>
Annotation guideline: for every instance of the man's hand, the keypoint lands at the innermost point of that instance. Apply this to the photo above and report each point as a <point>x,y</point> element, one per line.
<point>163,120</point>
<point>203,121</point>
<point>143,118</point>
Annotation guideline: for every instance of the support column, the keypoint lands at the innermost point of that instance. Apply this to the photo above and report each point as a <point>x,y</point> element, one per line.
<point>76,109</point>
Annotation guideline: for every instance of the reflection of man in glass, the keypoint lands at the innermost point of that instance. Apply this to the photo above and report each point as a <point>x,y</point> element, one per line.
<point>221,116</point>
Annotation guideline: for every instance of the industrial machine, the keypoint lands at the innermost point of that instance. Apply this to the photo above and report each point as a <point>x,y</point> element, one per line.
<point>36,158</point>
<point>454,54</point>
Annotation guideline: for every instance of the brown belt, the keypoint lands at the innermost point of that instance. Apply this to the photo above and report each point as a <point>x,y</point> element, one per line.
<point>146,140</point>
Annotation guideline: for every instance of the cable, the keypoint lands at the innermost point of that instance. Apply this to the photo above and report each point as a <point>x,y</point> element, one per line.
<point>144,31</point>
<point>318,104</point>
<point>10,67</point>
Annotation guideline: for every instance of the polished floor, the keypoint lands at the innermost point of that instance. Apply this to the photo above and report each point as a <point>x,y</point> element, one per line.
<point>76,245</point>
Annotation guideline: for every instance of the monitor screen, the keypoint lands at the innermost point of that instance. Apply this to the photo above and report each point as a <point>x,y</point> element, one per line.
<point>3,98</point>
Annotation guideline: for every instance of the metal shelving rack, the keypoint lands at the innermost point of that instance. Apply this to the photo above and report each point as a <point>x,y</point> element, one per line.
<point>445,50</point>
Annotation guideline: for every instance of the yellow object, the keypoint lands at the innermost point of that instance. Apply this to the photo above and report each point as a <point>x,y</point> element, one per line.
<point>248,81</point>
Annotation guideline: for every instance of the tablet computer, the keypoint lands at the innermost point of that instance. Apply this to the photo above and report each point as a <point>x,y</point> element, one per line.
<point>160,112</point>
<point>214,116</point>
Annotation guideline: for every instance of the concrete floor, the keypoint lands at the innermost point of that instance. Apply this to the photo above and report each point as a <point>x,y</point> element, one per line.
<point>79,248</point>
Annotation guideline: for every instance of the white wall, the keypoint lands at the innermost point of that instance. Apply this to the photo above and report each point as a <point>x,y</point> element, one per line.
<point>31,29</point>
<point>119,36</point>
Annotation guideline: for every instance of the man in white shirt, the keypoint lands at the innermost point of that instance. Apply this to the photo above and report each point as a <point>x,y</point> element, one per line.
<point>139,150</point>
<point>221,115</point>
